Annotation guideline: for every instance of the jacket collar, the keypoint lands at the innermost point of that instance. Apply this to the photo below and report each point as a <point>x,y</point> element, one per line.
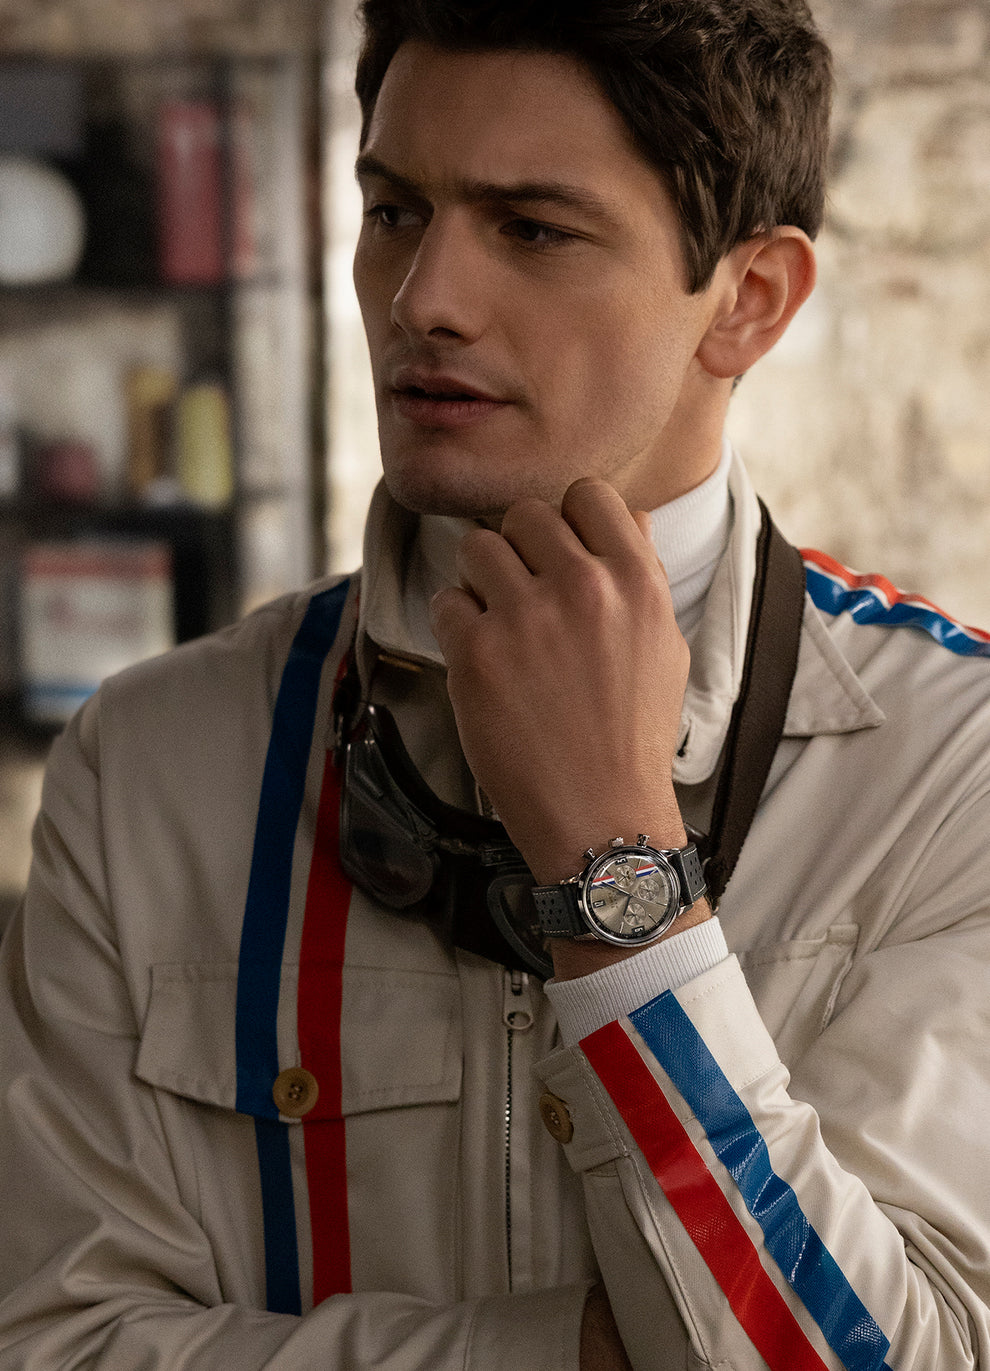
<point>406,559</point>
<point>826,697</point>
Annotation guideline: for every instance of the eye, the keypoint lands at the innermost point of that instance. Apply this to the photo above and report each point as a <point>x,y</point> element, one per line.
<point>537,235</point>
<point>390,217</point>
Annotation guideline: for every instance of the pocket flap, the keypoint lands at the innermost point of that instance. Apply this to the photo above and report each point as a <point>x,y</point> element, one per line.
<point>400,1042</point>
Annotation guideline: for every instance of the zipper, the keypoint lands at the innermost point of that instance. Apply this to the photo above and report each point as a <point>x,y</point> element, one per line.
<point>518,1018</point>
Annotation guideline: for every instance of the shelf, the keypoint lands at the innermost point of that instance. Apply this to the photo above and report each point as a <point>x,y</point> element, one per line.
<point>74,350</point>
<point>203,545</point>
<point>141,292</point>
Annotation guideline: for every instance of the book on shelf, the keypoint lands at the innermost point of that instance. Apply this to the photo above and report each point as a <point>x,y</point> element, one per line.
<point>89,609</point>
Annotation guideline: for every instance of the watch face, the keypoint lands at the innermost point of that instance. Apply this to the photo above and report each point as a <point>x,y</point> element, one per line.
<point>630,895</point>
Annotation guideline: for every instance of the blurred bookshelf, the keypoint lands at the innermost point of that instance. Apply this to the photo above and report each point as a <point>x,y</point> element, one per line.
<point>161,371</point>
<point>161,388</point>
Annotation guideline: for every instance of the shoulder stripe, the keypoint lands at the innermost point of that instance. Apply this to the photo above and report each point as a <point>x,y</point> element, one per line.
<point>872,599</point>
<point>267,907</point>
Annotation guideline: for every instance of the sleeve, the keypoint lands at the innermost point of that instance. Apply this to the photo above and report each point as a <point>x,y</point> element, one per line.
<point>837,1219</point>
<point>103,1264</point>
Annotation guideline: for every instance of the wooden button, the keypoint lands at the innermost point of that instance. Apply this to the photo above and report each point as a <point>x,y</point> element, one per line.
<point>295,1092</point>
<point>557,1118</point>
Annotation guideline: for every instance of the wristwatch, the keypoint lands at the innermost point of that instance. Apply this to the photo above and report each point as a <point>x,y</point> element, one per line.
<point>629,894</point>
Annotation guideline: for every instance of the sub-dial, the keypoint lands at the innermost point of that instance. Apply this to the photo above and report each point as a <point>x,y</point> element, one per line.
<point>636,917</point>
<point>623,875</point>
<point>651,888</point>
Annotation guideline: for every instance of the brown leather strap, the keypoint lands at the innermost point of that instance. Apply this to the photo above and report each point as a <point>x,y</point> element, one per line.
<point>757,720</point>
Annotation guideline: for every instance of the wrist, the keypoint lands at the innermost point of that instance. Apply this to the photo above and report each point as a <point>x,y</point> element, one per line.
<point>632,894</point>
<point>572,959</point>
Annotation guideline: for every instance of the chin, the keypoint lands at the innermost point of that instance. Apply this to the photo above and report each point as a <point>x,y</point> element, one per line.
<point>462,498</point>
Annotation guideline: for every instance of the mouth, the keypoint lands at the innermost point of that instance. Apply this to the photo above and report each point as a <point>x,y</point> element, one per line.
<point>421,393</point>
<point>436,401</point>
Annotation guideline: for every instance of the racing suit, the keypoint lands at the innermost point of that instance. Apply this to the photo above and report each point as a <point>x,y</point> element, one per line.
<point>250,1118</point>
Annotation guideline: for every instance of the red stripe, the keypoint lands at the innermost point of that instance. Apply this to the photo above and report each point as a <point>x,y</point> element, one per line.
<point>706,1214</point>
<point>857,581</point>
<point>321,961</point>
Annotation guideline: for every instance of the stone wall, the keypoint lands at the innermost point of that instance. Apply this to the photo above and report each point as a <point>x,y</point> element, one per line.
<point>868,429</point>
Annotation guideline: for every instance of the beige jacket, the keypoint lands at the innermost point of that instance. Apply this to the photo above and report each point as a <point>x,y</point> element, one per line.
<point>782,1162</point>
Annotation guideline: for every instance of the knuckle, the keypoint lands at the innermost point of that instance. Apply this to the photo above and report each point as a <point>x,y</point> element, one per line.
<point>591,581</point>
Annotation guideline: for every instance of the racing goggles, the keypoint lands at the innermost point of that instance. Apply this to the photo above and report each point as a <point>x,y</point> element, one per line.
<point>421,857</point>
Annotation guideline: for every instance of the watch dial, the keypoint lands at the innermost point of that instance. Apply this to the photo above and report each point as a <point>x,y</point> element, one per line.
<point>629,895</point>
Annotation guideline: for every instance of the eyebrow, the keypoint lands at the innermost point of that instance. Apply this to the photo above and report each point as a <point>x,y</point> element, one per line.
<point>558,193</point>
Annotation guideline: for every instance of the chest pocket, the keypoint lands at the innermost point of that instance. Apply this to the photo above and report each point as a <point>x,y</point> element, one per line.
<point>399,1045</point>
<point>796,984</point>
<point>392,1073</point>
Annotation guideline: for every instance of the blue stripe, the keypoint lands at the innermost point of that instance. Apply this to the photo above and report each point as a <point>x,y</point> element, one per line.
<point>266,917</point>
<point>792,1242</point>
<point>867,607</point>
<point>266,912</point>
<point>279,1215</point>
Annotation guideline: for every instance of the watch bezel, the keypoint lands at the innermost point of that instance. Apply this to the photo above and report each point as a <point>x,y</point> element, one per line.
<point>597,865</point>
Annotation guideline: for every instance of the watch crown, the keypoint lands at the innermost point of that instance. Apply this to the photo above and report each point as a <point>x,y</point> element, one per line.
<point>617,842</point>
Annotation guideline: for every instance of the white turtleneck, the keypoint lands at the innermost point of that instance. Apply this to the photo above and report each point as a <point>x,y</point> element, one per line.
<point>690,535</point>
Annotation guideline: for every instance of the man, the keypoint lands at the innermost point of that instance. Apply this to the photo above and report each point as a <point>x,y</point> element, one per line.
<point>274,1004</point>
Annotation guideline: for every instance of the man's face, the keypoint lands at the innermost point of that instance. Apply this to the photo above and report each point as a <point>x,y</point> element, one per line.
<point>523,290</point>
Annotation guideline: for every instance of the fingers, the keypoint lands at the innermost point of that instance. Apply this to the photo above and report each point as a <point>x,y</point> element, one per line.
<point>538,535</point>
<point>490,569</point>
<point>453,612</point>
<point>535,539</point>
<point>598,515</point>
<point>593,518</point>
<point>496,569</point>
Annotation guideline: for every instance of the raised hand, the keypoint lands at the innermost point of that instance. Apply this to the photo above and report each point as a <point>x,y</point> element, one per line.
<point>567,675</point>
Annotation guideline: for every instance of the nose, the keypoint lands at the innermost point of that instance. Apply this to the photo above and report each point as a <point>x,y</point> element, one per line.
<point>443,292</point>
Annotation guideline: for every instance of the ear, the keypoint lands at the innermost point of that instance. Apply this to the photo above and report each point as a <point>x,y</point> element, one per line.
<point>758,288</point>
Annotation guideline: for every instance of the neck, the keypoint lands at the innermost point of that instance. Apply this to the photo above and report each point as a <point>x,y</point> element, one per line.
<point>690,535</point>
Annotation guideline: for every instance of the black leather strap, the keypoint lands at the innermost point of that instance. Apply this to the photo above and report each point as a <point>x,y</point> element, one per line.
<point>690,873</point>
<point>558,910</point>
<point>757,720</point>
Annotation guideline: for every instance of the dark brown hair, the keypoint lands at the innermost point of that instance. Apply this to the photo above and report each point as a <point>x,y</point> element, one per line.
<point>728,99</point>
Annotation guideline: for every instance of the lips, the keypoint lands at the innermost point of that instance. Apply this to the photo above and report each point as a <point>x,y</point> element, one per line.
<point>422,384</point>
<point>439,400</point>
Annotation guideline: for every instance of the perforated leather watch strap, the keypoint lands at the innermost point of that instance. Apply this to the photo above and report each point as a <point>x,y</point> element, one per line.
<point>690,873</point>
<point>558,911</point>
